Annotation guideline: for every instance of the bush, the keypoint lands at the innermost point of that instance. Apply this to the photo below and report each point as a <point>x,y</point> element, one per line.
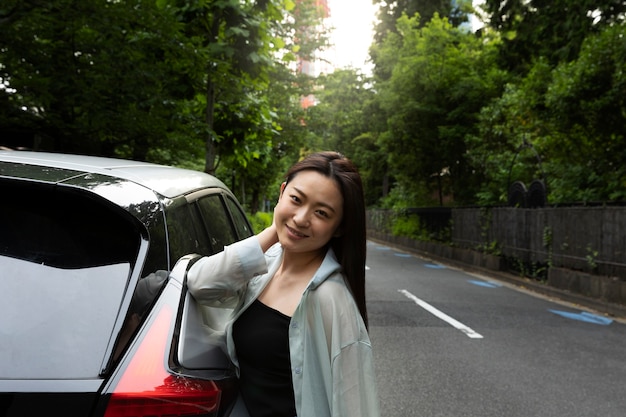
<point>408,226</point>
<point>260,220</point>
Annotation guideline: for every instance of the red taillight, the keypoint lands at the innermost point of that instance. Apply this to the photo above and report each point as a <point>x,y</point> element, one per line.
<point>147,389</point>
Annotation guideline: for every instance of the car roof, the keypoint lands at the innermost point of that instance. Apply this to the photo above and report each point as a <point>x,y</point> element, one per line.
<point>165,180</point>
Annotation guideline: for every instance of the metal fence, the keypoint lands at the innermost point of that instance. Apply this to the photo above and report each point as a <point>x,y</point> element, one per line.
<point>590,239</point>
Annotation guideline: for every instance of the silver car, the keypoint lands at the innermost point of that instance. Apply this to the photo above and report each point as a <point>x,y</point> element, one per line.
<point>95,316</point>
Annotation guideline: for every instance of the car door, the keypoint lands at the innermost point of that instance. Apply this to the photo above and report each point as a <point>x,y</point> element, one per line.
<point>220,221</point>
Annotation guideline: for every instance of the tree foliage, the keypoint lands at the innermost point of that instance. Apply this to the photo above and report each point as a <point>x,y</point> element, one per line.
<point>90,76</point>
<point>235,43</point>
<point>447,117</point>
<point>343,121</point>
<point>552,29</point>
<point>537,94</point>
<point>390,11</point>
<point>586,103</point>
<point>563,125</point>
<point>441,77</point>
<point>163,80</point>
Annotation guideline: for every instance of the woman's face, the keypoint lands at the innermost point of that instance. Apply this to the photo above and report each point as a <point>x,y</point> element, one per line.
<point>309,212</point>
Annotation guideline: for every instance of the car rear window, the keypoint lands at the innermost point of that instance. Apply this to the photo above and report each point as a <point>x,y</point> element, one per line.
<point>65,260</point>
<point>63,227</point>
<point>56,323</point>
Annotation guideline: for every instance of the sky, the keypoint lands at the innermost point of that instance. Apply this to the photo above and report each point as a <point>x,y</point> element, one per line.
<point>353,21</point>
<point>354,28</point>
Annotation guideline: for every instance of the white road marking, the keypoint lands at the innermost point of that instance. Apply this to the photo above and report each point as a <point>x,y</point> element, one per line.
<point>443,316</point>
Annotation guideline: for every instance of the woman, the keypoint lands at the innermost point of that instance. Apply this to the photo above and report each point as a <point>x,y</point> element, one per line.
<point>298,335</point>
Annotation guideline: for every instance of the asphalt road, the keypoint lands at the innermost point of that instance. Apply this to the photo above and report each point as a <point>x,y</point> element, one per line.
<point>448,343</point>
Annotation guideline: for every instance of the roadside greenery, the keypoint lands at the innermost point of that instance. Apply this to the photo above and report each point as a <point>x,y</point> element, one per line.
<point>260,220</point>
<point>448,116</point>
<point>409,226</point>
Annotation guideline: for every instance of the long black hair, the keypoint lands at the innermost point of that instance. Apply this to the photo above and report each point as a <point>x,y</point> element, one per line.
<point>350,244</point>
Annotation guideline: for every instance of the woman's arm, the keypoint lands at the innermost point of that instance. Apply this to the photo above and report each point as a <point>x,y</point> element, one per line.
<point>268,237</point>
<point>218,279</point>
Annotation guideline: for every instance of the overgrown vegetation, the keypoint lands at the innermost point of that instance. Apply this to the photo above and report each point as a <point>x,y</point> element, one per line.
<point>449,116</point>
<point>259,220</point>
<point>409,226</point>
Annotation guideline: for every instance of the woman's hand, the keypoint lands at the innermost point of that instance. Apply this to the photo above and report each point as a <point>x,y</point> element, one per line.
<point>268,237</point>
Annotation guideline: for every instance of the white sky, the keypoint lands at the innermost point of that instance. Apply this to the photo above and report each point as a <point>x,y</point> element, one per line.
<point>354,28</point>
<point>353,21</point>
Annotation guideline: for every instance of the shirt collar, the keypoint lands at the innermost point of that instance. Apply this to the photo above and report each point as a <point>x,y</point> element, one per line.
<point>329,266</point>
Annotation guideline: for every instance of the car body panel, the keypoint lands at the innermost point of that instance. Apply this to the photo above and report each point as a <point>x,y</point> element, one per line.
<point>165,180</point>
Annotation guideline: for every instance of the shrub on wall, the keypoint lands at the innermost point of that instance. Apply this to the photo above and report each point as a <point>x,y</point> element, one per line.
<point>409,226</point>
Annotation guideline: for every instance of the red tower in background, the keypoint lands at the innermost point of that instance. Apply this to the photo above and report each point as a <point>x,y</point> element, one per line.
<point>307,64</point>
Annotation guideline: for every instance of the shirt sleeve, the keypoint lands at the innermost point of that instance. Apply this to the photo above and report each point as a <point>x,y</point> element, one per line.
<point>354,382</point>
<point>219,279</point>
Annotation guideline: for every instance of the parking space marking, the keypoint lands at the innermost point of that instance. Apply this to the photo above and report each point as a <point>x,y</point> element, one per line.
<point>486,284</point>
<point>441,315</point>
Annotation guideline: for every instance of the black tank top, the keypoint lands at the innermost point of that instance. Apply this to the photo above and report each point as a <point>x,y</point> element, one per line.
<point>261,336</point>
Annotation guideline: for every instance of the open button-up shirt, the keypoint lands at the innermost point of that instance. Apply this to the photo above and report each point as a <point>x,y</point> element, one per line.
<point>330,350</point>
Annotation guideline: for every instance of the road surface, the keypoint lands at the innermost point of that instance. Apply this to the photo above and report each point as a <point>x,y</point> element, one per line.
<point>448,343</point>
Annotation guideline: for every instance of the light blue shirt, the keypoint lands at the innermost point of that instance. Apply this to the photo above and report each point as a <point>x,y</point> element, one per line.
<point>330,350</point>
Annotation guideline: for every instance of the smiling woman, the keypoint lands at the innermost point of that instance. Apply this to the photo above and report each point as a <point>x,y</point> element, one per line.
<point>298,335</point>
<point>308,213</point>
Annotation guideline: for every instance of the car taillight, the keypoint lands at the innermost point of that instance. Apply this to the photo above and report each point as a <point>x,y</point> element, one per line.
<point>146,388</point>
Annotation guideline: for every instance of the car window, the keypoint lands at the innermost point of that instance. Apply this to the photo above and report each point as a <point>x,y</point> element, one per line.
<point>66,257</point>
<point>241,223</point>
<point>59,320</point>
<point>185,231</point>
<point>63,228</point>
<point>217,222</point>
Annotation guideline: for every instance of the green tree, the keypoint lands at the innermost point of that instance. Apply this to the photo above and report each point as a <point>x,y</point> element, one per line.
<point>337,118</point>
<point>586,103</point>
<point>236,43</point>
<point>390,11</point>
<point>257,143</point>
<point>507,146</point>
<point>343,121</point>
<point>553,29</point>
<point>561,125</point>
<point>257,179</point>
<point>90,76</point>
<point>168,80</point>
<point>441,77</point>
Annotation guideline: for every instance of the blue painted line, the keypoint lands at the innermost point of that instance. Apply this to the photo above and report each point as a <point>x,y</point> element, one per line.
<point>382,248</point>
<point>434,266</point>
<point>485,284</point>
<point>402,255</point>
<point>584,316</point>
